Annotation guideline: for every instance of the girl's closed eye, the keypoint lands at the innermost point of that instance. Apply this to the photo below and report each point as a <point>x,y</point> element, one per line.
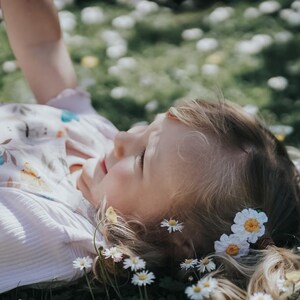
<point>141,159</point>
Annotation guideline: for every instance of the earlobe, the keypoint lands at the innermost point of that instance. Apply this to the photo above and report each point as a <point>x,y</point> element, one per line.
<point>188,249</point>
<point>184,245</point>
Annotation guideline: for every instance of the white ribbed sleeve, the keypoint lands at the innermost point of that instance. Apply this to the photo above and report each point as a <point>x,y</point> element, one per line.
<point>39,239</point>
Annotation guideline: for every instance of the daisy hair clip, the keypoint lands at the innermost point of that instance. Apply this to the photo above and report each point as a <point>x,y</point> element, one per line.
<point>248,228</point>
<point>172,225</point>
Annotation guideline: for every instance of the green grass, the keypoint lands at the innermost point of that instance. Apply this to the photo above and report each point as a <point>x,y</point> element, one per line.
<point>166,59</point>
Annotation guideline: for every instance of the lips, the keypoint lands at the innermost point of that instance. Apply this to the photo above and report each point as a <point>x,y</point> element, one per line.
<point>103,166</point>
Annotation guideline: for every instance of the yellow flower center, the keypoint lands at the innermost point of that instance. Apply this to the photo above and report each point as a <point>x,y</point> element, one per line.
<point>293,276</point>
<point>89,61</point>
<point>197,289</point>
<point>172,222</point>
<point>251,225</point>
<point>111,215</point>
<point>205,261</point>
<point>232,249</point>
<point>280,137</point>
<point>188,261</point>
<point>142,277</point>
<point>206,284</point>
<point>134,260</point>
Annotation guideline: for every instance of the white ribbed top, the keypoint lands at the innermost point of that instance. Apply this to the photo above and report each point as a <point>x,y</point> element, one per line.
<point>39,240</point>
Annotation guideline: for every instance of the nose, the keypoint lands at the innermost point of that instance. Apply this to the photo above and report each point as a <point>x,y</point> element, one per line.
<point>125,143</point>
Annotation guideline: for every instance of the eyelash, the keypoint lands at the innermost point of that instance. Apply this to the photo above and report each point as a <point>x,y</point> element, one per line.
<point>141,159</point>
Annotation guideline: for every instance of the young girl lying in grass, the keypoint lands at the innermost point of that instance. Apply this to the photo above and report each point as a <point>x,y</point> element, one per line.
<point>177,185</point>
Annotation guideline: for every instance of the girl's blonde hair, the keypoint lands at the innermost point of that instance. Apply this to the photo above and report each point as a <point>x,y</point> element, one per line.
<point>246,167</point>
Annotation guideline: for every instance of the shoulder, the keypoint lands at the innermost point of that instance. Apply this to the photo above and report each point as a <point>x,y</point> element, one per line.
<point>75,100</point>
<point>78,101</point>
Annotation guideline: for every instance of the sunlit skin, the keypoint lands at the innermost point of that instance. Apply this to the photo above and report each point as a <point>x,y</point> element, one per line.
<point>143,190</point>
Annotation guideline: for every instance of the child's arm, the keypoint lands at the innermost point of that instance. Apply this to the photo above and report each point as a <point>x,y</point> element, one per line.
<point>36,39</point>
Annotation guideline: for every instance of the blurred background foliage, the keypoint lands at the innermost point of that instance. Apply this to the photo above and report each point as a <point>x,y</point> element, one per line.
<point>137,57</point>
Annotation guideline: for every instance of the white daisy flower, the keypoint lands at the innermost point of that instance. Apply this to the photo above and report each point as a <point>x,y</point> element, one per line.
<point>251,13</point>
<point>248,47</point>
<point>209,284</point>
<point>192,34</point>
<point>146,7</point>
<point>278,83</point>
<point>134,263</point>
<point>82,263</point>
<point>269,7</point>
<point>151,106</point>
<point>250,109</point>
<point>290,16</point>
<point>119,92</point>
<point>206,264</point>
<point>117,51</point>
<point>220,14</point>
<point>210,69</point>
<point>143,278</point>
<point>284,286</point>
<point>232,245</point>
<point>263,40</point>
<point>202,289</point>
<point>127,63</point>
<point>282,130</point>
<point>123,22</point>
<point>112,38</point>
<point>9,66</point>
<point>92,15</point>
<point>113,253</point>
<point>67,20</point>
<point>283,36</point>
<point>207,44</point>
<point>188,264</point>
<point>296,5</point>
<point>197,291</point>
<point>260,296</point>
<point>172,225</point>
<point>249,224</point>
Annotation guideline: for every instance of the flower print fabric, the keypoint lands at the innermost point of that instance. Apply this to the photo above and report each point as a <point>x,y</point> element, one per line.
<point>41,211</point>
<point>39,144</point>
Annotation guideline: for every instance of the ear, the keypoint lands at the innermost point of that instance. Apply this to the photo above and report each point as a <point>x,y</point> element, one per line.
<point>183,246</point>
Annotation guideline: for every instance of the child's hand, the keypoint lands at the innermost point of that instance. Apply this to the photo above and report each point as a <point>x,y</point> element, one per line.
<point>36,39</point>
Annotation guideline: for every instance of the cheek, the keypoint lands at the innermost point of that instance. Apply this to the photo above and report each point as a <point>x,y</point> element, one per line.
<point>118,186</point>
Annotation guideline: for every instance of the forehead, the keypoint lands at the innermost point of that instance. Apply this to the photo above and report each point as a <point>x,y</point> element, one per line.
<point>166,135</point>
<point>169,144</point>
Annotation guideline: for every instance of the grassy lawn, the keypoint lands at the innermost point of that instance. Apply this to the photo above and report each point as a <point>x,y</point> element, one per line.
<point>237,57</point>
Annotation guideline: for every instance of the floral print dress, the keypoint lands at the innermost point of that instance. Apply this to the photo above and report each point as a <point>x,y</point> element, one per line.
<point>38,146</point>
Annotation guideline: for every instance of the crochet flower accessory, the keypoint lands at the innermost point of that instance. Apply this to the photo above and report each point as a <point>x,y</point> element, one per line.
<point>248,227</point>
<point>249,224</point>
